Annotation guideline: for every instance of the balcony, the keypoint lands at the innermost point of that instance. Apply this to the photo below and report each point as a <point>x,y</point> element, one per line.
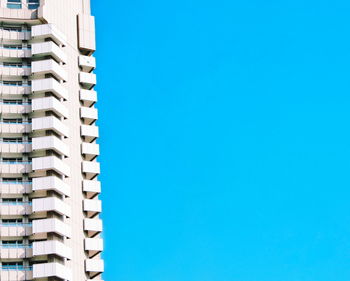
<point>51,85</point>
<point>91,188</point>
<point>88,97</point>
<point>87,80</point>
<point>15,53</point>
<point>94,267</point>
<point>19,273</point>
<point>44,49</point>
<point>14,189</point>
<point>12,168</point>
<point>48,163</point>
<point>15,230</point>
<point>44,31</point>
<point>11,90</point>
<point>90,133</point>
<point>49,104</point>
<point>9,35</point>
<point>93,246</point>
<point>88,114</point>
<point>87,63</point>
<point>45,248</point>
<point>15,128</point>
<point>49,66</point>
<point>15,209</point>
<point>50,123</point>
<point>90,150</point>
<point>51,204</point>
<point>92,227</point>
<point>15,147</point>
<point>44,226</point>
<point>11,72</point>
<point>7,108</point>
<point>92,207</point>
<point>46,270</point>
<point>50,143</point>
<point>13,251</point>
<point>90,169</point>
<point>51,183</point>
<point>13,14</point>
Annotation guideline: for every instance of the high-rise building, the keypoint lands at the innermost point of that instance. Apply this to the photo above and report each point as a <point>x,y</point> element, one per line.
<point>49,206</point>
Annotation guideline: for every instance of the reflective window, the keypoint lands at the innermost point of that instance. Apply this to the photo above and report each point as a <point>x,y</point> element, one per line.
<point>33,4</point>
<point>14,4</point>
<point>13,47</point>
<point>12,83</point>
<point>13,28</point>
<point>12,64</point>
<point>10,221</point>
<point>12,179</point>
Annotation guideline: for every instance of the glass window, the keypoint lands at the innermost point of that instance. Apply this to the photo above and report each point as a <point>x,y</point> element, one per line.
<point>11,160</point>
<point>12,28</point>
<point>15,47</point>
<point>10,121</point>
<point>33,4</point>
<point>12,200</point>
<point>14,4</point>
<point>12,242</point>
<point>12,64</point>
<point>12,265</point>
<point>10,221</point>
<point>12,101</point>
<point>12,83</point>
<point>12,179</point>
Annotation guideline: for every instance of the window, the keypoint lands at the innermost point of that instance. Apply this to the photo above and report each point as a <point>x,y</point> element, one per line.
<point>12,64</point>
<point>12,221</point>
<point>12,83</point>
<point>12,242</point>
<point>13,47</point>
<point>12,121</point>
<point>12,180</point>
<point>15,140</point>
<point>12,101</point>
<point>33,4</point>
<point>12,265</point>
<point>14,4</point>
<point>13,28</point>
<point>12,200</point>
<point>11,160</point>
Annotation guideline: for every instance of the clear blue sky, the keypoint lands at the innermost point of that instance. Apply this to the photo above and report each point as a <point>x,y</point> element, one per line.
<point>225,133</point>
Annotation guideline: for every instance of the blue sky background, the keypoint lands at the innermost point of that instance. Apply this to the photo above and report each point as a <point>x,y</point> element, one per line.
<point>225,133</point>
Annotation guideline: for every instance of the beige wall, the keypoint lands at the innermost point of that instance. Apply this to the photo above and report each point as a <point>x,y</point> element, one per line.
<point>73,19</point>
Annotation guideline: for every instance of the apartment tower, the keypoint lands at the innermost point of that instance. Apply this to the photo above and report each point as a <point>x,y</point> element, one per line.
<point>49,207</point>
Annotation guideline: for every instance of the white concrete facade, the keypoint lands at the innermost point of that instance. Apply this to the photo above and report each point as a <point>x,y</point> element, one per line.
<point>50,226</point>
